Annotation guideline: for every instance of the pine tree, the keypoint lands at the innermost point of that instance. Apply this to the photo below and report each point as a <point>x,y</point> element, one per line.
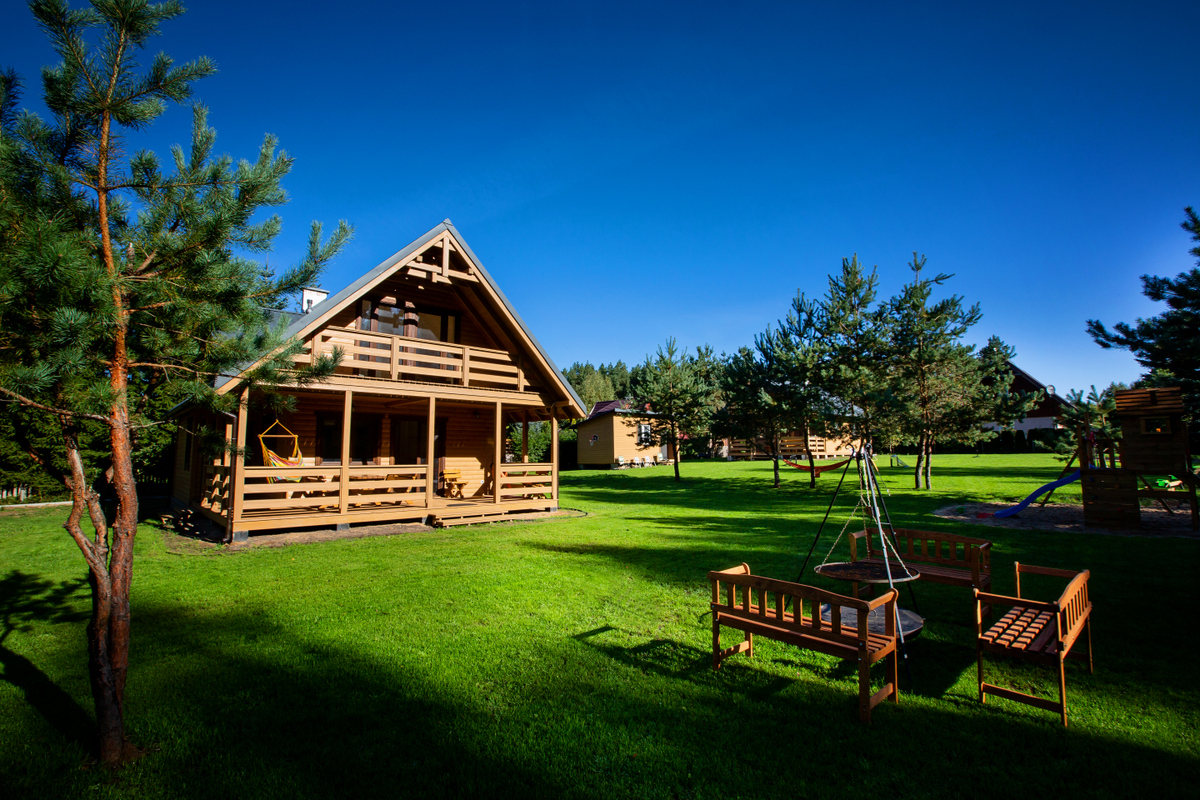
<point>1167,345</point>
<point>680,394</point>
<point>856,341</point>
<point>934,374</point>
<point>941,390</point>
<point>120,281</point>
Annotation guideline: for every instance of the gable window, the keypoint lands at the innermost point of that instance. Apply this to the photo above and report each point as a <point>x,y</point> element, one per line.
<point>644,437</point>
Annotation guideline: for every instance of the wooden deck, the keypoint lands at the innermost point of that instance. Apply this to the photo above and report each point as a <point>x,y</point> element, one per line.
<point>274,498</point>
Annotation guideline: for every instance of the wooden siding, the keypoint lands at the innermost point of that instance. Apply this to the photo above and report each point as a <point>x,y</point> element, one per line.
<point>601,450</point>
<point>625,444</point>
<point>181,483</point>
<point>616,436</point>
<point>470,446</point>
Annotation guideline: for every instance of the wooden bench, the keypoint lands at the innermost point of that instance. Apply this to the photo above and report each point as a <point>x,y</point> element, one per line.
<point>1039,632</point>
<point>940,557</point>
<point>743,601</point>
<point>453,482</point>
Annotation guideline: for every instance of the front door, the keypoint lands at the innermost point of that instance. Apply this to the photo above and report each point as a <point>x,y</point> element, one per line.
<point>410,443</point>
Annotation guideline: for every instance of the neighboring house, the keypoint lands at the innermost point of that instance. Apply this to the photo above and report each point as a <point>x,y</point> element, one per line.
<point>1046,413</point>
<point>612,432</point>
<point>411,426</point>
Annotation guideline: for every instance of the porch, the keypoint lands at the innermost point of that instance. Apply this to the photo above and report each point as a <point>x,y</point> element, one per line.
<point>353,457</point>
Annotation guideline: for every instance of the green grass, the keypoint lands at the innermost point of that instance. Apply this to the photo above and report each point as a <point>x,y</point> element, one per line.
<point>572,658</point>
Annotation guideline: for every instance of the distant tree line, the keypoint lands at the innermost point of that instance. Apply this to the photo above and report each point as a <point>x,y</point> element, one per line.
<point>846,365</point>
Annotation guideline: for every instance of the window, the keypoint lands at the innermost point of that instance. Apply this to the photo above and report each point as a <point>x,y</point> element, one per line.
<point>644,437</point>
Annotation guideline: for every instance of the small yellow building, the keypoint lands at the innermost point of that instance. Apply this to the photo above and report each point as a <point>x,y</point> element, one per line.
<point>614,435</point>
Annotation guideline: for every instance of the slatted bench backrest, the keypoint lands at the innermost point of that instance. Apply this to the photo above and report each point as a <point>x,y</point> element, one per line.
<point>737,593</point>
<point>1073,604</point>
<point>933,547</point>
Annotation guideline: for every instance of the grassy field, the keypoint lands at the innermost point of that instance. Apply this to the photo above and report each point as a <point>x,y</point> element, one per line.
<point>571,658</point>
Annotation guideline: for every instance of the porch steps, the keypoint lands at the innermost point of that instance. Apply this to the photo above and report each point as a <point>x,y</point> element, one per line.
<point>471,518</point>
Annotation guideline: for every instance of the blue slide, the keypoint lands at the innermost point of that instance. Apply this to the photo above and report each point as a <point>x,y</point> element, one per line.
<point>1024,504</point>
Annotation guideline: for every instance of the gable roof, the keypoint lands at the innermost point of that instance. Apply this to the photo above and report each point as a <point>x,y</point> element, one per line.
<point>1051,404</point>
<point>320,314</point>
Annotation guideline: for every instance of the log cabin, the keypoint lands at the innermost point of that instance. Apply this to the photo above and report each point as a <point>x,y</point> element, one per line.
<point>615,435</point>
<point>412,425</point>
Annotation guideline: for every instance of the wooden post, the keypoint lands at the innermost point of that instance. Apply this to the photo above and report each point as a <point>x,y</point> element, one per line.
<point>238,484</point>
<point>499,453</point>
<point>429,466</point>
<point>554,457</point>
<point>227,463</point>
<point>466,365</point>
<point>525,437</point>
<point>395,358</point>
<point>344,479</point>
<point>445,255</point>
<point>520,373</point>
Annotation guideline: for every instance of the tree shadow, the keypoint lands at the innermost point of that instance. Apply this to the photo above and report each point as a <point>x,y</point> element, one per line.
<point>24,600</point>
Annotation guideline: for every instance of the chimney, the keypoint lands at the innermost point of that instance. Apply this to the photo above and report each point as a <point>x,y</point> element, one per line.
<point>311,297</point>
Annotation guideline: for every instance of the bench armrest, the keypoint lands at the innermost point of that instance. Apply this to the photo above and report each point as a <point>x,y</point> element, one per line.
<point>1015,602</point>
<point>889,596</point>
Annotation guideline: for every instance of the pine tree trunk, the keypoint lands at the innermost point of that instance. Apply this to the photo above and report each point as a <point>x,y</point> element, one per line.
<point>775,445</point>
<point>920,462</point>
<point>105,640</point>
<point>121,562</point>
<point>675,443</point>
<point>812,467</point>
<point>928,459</point>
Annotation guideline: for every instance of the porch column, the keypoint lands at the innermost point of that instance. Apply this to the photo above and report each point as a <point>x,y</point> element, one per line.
<point>237,482</point>
<point>344,478</point>
<point>227,463</point>
<point>499,453</point>
<point>525,436</point>
<point>554,457</point>
<point>429,465</point>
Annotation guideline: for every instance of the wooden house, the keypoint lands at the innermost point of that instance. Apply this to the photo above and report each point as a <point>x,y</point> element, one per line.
<point>614,434</point>
<point>436,364</point>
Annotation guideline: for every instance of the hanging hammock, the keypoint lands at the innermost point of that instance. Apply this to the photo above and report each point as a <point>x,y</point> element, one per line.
<point>815,469</point>
<point>273,459</point>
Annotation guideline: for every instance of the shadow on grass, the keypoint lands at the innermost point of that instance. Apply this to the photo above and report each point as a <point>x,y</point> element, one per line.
<point>24,600</point>
<point>240,705</point>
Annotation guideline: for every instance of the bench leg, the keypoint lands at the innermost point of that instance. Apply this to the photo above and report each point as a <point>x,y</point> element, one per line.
<point>1088,627</point>
<point>893,665</point>
<point>979,658</point>
<point>716,642</point>
<point>1062,688</point>
<point>864,688</point>
<point>749,644</point>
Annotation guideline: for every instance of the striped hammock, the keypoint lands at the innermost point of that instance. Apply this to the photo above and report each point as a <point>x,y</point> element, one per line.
<point>273,459</point>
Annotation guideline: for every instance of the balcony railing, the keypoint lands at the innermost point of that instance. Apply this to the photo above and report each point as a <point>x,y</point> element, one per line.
<point>383,355</point>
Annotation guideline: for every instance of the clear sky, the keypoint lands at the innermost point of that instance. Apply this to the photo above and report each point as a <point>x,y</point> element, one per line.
<point>633,171</point>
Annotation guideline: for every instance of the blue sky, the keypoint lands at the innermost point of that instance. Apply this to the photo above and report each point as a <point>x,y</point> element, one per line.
<point>633,171</point>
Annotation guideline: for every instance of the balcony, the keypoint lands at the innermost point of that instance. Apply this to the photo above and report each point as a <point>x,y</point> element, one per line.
<point>386,356</point>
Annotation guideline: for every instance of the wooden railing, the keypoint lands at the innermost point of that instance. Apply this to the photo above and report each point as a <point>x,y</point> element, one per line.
<point>394,357</point>
<point>526,481</point>
<point>215,488</point>
<point>301,488</point>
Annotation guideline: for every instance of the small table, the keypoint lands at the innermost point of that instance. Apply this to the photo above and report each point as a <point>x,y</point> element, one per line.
<point>868,572</point>
<point>911,623</point>
<point>858,572</point>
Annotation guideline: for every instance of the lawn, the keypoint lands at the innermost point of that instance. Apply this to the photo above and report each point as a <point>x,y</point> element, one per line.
<point>571,658</point>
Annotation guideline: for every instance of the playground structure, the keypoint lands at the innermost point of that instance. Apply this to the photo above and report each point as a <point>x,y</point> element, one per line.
<point>1150,460</point>
<point>1154,461</point>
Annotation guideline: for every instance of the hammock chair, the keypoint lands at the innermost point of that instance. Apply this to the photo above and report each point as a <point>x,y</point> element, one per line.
<point>273,459</point>
<point>817,469</point>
